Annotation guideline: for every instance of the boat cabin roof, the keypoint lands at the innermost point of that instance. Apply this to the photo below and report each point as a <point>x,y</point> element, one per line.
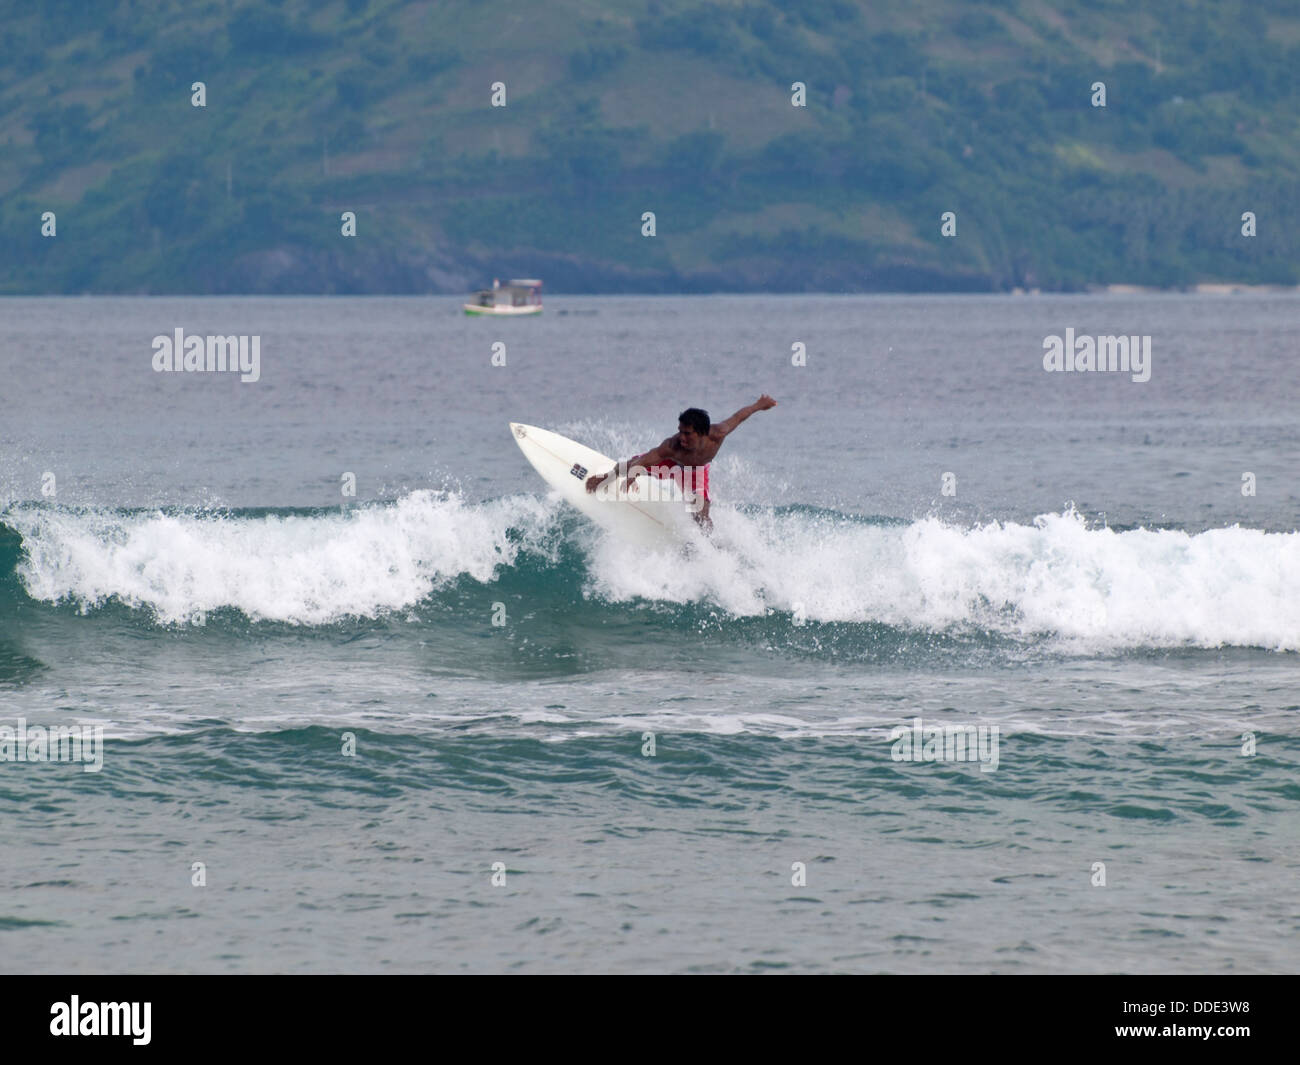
<point>530,287</point>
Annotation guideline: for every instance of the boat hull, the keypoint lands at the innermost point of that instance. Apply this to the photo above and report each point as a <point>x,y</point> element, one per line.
<point>476,311</point>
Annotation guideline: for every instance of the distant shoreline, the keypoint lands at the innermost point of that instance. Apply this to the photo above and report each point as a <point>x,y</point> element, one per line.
<point>1209,288</point>
<point>1226,288</point>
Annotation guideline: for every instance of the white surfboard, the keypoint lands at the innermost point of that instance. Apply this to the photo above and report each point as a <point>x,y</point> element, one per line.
<point>655,515</point>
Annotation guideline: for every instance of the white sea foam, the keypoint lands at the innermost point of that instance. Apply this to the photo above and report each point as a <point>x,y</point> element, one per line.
<point>1091,589</point>
<point>308,569</point>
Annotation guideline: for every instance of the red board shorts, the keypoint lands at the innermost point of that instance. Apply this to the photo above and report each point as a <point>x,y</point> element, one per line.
<point>688,478</point>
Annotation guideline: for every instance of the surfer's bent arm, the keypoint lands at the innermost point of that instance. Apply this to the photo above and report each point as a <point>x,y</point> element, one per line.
<point>653,457</point>
<point>764,402</point>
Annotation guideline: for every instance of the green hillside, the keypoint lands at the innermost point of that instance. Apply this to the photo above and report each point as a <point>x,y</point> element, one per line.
<point>615,108</point>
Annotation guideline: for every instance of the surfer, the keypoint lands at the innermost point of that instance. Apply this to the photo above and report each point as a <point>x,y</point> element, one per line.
<point>685,458</point>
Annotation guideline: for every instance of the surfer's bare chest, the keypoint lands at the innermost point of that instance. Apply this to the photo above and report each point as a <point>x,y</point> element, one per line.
<point>700,456</point>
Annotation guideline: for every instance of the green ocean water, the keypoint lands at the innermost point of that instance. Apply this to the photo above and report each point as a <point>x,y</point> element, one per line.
<point>446,725</point>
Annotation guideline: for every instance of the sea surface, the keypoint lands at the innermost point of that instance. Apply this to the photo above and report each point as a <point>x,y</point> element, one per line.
<point>445,724</point>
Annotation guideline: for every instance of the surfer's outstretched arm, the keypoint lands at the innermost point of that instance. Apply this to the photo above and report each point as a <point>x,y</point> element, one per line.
<point>764,402</point>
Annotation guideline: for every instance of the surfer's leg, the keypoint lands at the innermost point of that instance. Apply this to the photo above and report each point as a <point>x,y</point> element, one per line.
<point>702,518</point>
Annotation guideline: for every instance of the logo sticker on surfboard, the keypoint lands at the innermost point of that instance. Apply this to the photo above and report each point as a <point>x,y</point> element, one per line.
<point>579,471</point>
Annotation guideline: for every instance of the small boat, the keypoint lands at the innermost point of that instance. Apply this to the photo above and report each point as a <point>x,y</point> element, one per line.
<point>513,298</point>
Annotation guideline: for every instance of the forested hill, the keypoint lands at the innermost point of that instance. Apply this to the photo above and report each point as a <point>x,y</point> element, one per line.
<point>615,108</point>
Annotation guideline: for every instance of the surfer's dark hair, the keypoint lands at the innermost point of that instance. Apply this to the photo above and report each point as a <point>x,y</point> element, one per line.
<point>694,418</point>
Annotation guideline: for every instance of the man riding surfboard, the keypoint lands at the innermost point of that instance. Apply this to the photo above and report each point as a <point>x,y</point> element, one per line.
<point>685,457</point>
